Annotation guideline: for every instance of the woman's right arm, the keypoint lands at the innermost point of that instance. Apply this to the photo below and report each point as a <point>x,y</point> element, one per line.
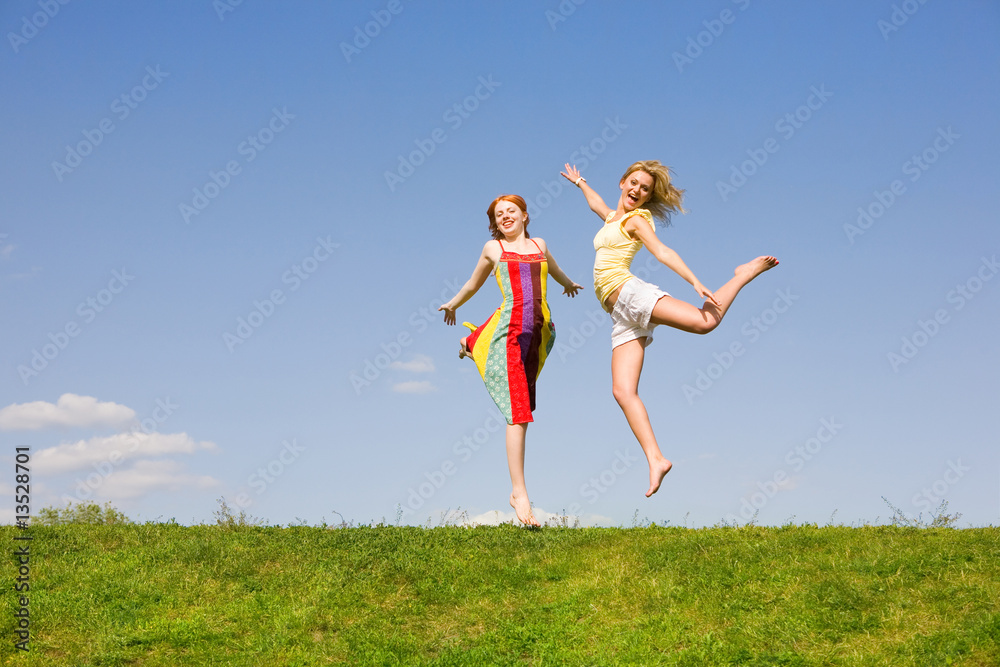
<point>594,200</point>
<point>479,276</point>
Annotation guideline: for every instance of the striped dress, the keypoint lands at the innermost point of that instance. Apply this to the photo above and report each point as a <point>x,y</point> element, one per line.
<point>511,347</point>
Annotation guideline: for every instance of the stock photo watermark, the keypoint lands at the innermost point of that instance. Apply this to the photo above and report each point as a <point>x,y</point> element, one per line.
<point>926,330</point>
<point>930,496</point>
<point>786,126</point>
<point>223,7</point>
<point>583,157</point>
<point>265,308</point>
<point>901,13</point>
<point>464,449</point>
<point>752,330</point>
<point>250,148</point>
<point>266,475</point>
<point>565,9</point>
<point>455,116</point>
<point>796,458</point>
<point>914,168</point>
<point>578,335</point>
<point>601,483</point>
<point>714,28</point>
<point>32,25</point>
<point>87,310</point>
<point>572,342</point>
<point>122,107</point>
<point>87,486</point>
<point>363,35</point>
<point>419,320</point>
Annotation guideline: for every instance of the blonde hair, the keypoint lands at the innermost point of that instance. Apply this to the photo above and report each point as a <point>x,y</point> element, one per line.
<point>665,199</point>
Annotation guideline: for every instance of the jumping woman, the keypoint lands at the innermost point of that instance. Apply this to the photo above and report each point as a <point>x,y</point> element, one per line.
<point>636,307</point>
<point>511,347</point>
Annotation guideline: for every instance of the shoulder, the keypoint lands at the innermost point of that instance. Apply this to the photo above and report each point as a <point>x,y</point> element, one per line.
<point>633,220</point>
<point>640,212</point>
<point>541,243</point>
<point>492,250</point>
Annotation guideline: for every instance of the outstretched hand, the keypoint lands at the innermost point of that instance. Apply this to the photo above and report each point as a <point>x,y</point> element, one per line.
<point>449,314</point>
<point>572,289</point>
<point>706,293</point>
<point>571,173</point>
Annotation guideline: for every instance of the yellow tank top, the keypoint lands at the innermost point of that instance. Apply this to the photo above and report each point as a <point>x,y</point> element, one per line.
<point>615,250</point>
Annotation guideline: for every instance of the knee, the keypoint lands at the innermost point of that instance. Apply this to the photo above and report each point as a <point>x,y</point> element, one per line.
<point>623,394</point>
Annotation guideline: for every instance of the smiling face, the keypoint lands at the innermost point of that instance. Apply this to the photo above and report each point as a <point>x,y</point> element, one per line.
<point>508,217</point>
<point>637,188</point>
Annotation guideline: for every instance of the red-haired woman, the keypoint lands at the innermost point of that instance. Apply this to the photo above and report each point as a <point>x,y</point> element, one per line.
<point>636,307</point>
<point>511,347</point>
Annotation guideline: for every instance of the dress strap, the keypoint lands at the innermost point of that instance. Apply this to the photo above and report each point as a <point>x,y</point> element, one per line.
<point>536,245</point>
<point>502,249</point>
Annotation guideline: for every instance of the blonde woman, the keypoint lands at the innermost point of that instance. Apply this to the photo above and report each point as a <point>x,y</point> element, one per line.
<point>636,307</point>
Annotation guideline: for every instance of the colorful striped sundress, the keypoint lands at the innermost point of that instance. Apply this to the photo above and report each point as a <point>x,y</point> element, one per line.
<point>511,347</point>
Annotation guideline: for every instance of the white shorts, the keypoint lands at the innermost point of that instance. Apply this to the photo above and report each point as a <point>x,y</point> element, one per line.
<point>634,307</point>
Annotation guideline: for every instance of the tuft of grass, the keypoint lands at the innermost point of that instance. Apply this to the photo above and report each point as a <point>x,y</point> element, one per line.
<point>80,513</point>
<point>938,519</point>
<point>224,517</point>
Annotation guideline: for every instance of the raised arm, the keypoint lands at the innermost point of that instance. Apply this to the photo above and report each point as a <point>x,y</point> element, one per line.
<point>487,260</point>
<point>594,200</point>
<point>638,226</point>
<point>569,287</point>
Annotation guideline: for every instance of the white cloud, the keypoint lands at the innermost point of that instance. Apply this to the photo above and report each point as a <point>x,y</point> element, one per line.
<point>148,476</point>
<point>110,452</point>
<point>497,517</point>
<point>413,387</point>
<point>421,363</point>
<point>6,250</point>
<point>69,410</point>
<point>35,270</point>
<point>790,483</point>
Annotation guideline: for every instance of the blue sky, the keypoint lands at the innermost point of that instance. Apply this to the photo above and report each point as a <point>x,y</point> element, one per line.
<point>225,229</point>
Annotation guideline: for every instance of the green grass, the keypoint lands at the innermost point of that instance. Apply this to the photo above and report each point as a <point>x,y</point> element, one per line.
<point>164,594</point>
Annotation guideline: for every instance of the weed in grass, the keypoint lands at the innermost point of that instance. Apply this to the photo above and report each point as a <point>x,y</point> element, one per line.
<point>939,519</point>
<point>81,513</point>
<point>225,518</point>
<point>343,522</point>
<point>562,521</point>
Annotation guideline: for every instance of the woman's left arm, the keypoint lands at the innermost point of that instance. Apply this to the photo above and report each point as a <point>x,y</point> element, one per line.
<point>569,287</point>
<point>640,227</point>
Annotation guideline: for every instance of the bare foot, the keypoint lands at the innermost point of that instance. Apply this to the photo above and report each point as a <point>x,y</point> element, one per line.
<point>755,267</point>
<point>522,507</point>
<point>463,350</point>
<point>657,471</point>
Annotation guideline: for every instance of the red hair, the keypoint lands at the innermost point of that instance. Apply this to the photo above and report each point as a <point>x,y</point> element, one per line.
<point>491,212</point>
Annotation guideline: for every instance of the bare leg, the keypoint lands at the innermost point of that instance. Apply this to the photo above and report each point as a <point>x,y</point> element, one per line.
<point>626,367</point>
<point>684,316</point>
<point>515,461</point>
<point>463,350</point>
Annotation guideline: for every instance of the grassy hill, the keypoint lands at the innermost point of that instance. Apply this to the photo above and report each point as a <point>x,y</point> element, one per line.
<point>165,594</point>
